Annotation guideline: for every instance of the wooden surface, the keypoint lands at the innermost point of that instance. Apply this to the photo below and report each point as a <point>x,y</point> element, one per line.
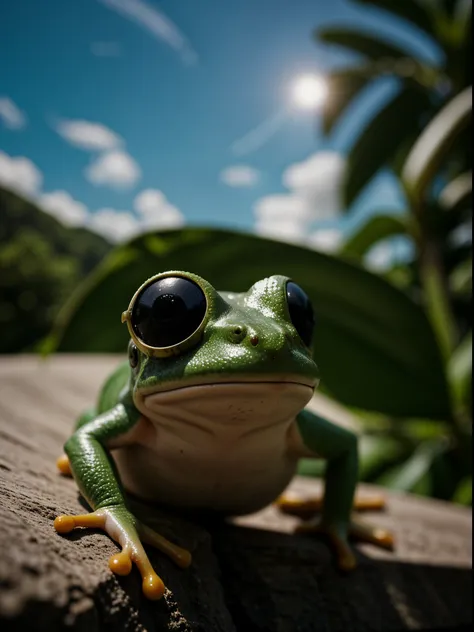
<point>254,575</point>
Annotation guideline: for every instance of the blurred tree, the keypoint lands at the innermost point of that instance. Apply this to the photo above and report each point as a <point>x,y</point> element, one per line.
<point>33,284</point>
<point>41,262</point>
<point>423,134</point>
<point>423,88</point>
<point>435,166</point>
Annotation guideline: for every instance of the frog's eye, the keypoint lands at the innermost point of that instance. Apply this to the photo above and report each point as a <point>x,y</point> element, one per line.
<point>133,356</point>
<point>168,311</point>
<point>301,312</point>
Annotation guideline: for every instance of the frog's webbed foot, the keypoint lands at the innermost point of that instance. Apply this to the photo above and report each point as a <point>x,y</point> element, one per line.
<point>339,538</point>
<point>122,527</point>
<point>63,465</point>
<point>306,508</point>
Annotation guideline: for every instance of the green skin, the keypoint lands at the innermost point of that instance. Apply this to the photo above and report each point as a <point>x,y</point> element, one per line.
<point>261,312</point>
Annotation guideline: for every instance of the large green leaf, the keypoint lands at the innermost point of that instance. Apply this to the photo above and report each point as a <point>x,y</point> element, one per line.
<point>418,12</point>
<point>366,44</point>
<point>374,230</point>
<point>378,143</point>
<point>434,144</point>
<point>374,346</point>
<point>343,88</point>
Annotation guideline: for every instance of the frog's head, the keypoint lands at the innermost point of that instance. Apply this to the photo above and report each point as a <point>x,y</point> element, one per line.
<point>190,342</point>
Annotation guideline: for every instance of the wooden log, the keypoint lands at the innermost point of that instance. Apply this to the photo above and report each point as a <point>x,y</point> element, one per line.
<point>253,574</point>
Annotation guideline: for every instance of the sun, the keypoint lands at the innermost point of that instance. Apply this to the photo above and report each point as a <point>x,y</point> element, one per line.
<point>309,91</point>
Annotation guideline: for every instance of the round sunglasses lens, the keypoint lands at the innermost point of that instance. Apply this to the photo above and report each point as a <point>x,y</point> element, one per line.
<point>168,311</point>
<point>301,312</point>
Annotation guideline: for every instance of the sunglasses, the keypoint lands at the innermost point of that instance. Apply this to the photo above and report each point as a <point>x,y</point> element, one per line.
<point>167,314</point>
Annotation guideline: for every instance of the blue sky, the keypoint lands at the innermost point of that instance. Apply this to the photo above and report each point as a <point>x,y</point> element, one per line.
<point>173,88</point>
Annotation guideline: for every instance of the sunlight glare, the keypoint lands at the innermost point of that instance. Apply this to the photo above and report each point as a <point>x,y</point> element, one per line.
<point>309,91</point>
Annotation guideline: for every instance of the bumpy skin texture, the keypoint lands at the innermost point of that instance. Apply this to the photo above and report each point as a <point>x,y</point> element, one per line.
<point>247,337</point>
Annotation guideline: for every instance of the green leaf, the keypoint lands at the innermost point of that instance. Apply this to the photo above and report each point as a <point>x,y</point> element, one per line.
<point>311,467</point>
<point>374,346</point>
<point>461,277</point>
<point>434,144</point>
<point>438,307</point>
<point>417,12</point>
<point>378,143</point>
<point>343,88</point>
<point>460,371</point>
<point>375,229</point>
<point>463,493</point>
<point>413,472</point>
<point>367,44</point>
<point>457,193</point>
<point>377,454</point>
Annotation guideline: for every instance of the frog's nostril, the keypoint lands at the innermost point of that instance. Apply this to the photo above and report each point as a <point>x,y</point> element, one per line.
<point>254,340</point>
<point>237,333</point>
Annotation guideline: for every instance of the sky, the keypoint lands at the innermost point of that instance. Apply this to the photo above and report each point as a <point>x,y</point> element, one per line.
<point>131,115</point>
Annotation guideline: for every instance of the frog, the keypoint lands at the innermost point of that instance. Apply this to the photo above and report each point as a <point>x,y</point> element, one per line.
<point>209,413</point>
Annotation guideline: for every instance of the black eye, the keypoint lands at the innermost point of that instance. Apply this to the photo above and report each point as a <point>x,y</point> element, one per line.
<point>168,311</point>
<point>132,355</point>
<point>301,312</point>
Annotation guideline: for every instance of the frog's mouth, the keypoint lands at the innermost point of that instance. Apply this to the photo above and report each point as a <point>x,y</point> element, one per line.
<point>259,402</point>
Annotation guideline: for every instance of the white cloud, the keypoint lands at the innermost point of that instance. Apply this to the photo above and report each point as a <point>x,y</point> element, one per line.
<point>64,207</point>
<point>242,176</point>
<point>116,226</point>
<point>116,169</point>
<point>11,115</point>
<point>281,216</point>
<point>285,230</point>
<point>280,207</point>
<point>314,195</point>
<point>156,212</point>
<point>106,49</point>
<point>88,136</point>
<point>155,22</point>
<point>318,180</point>
<point>326,239</point>
<point>20,174</point>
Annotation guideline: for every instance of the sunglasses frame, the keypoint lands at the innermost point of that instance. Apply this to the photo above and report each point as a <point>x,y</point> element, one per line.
<point>180,347</point>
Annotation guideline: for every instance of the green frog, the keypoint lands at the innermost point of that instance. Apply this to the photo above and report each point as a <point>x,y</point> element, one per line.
<point>208,413</point>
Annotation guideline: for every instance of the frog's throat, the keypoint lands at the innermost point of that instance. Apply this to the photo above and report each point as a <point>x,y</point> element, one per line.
<point>246,404</point>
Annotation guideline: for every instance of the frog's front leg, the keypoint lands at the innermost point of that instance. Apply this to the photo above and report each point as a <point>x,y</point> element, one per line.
<point>339,446</point>
<point>99,482</point>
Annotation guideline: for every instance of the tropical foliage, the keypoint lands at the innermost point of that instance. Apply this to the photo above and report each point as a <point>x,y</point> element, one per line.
<point>422,134</point>
<point>423,88</point>
<point>41,263</point>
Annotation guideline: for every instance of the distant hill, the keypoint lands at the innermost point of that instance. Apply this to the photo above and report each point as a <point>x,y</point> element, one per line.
<point>41,261</point>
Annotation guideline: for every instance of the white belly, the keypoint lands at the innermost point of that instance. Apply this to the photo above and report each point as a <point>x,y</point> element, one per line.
<point>222,447</point>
